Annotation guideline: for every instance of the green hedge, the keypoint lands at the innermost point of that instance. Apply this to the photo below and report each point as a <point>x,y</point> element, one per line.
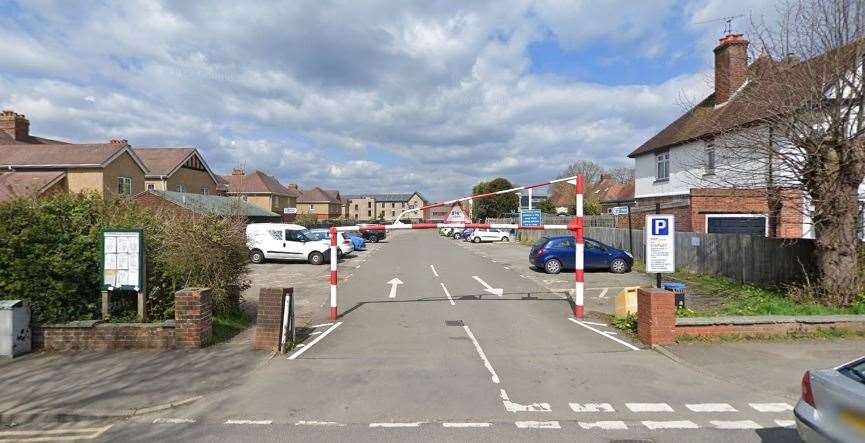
<point>49,254</point>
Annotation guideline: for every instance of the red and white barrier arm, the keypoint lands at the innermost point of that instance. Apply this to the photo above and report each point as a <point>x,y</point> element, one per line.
<point>333,261</point>
<point>579,265</point>
<point>407,226</point>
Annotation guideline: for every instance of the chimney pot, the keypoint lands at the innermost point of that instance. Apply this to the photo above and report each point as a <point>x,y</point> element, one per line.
<point>237,171</point>
<point>119,141</point>
<point>15,125</point>
<point>731,66</point>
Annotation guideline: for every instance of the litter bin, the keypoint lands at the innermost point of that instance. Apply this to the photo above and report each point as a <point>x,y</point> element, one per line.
<point>679,290</point>
<point>14,328</point>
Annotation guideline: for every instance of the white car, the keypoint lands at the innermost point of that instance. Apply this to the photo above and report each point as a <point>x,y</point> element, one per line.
<point>479,235</point>
<point>343,242</point>
<point>285,242</point>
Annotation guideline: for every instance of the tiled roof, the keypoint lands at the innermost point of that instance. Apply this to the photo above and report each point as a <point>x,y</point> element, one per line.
<point>213,204</point>
<point>256,182</point>
<point>6,139</point>
<point>163,161</point>
<point>318,195</point>
<point>612,191</point>
<point>27,183</point>
<point>61,155</point>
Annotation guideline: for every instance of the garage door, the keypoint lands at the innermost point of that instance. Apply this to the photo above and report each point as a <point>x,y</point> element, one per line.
<point>736,225</point>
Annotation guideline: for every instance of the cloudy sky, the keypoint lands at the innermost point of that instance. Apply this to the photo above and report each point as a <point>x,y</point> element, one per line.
<point>365,96</point>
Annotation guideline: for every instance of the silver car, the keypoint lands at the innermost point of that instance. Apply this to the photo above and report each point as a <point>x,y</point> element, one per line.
<point>832,408</point>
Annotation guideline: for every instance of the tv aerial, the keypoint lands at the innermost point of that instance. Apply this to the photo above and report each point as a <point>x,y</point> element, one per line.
<point>728,22</point>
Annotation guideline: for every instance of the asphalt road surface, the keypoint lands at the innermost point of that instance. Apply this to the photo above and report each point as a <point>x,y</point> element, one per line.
<point>449,359</point>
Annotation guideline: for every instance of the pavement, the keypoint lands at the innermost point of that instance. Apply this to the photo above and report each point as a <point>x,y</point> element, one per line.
<point>472,346</point>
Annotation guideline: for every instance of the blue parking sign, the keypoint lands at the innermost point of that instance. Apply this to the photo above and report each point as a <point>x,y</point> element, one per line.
<point>660,243</point>
<point>660,226</point>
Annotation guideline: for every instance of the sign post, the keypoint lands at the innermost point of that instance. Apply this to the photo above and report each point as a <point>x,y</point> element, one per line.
<point>660,244</point>
<point>123,267</point>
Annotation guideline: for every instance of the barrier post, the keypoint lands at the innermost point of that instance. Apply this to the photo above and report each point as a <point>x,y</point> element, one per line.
<point>577,228</point>
<point>333,262</point>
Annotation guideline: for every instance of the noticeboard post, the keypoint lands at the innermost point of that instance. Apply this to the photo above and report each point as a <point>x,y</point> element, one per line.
<point>123,266</point>
<point>660,244</point>
<point>530,217</point>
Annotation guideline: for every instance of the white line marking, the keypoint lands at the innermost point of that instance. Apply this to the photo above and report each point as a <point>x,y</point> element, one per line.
<point>538,425</point>
<point>434,270</point>
<point>393,284</point>
<point>318,423</point>
<point>173,420</point>
<point>771,407</point>
<point>735,424</point>
<point>620,341</point>
<point>248,422</point>
<point>603,293</point>
<point>302,350</point>
<point>786,423</point>
<point>396,425</point>
<point>321,325</point>
<point>495,377</point>
<point>594,323</point>
<point>680,424</point>
<point>466,425</point>
<point>592,407</point>
<point>649,407</point>
<point>448,294</point>
<point>56,434</point>
<point>516,407</point>
<point>315,333</point>
<point>605,425</point>
<point>711,407</point>
<point>488,288</point>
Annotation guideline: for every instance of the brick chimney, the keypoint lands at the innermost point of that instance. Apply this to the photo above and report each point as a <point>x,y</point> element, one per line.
<point>237,171</point>
<point>14,124</point>
<point>731,66</point>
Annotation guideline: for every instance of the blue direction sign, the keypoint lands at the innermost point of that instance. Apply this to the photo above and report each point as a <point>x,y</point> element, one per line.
<point>530,217</point>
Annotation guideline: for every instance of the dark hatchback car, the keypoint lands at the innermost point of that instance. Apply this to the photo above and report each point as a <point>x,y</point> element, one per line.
<point>554,254</point>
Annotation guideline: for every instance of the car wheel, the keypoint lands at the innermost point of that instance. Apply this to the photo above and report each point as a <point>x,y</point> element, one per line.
<point>619,266</point>
<point>506,239</point>
<point>553,266</point>
<point>457,236</point>
<point>374,238</point>
<point>316,258</point>
<point>476,240</point>
<point>256,256</point>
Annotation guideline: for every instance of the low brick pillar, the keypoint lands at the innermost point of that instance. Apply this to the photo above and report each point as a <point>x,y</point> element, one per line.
<point>656,316</point>
<point>268,320</point>
<point>192,321</point>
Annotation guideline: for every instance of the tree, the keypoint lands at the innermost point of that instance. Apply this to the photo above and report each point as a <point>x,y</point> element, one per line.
<point>494,206</point>
<point>591,173</point>
<point>546,206</point>
<point>802,131</point>
<point>621,174</point>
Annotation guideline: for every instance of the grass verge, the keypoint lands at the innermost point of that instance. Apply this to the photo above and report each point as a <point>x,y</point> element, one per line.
<point>819,334</point>
<point>229,325</point>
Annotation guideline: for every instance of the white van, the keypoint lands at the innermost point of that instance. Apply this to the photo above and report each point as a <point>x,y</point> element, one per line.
<point>284,241</point>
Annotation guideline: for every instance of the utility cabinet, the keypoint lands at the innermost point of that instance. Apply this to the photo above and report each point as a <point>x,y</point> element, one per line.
<point>15,337</point>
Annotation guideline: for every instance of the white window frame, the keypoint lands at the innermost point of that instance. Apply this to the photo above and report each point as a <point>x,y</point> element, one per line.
<point>663,156</point>
<point>181,188</point>
<point>151,187</point>
<point>205,190</point>
<point>122,182</point>
<point>763,216</point>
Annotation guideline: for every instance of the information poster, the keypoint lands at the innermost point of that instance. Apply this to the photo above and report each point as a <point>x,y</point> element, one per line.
<point>660,243</point>
<point>122,259</point>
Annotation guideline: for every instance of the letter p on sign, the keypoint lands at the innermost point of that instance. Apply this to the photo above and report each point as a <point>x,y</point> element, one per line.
<point>660,227</point>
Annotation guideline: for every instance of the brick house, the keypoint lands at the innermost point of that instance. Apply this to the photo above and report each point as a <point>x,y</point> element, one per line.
<point>366,207</point>
<point>260,189</point>
<point>177,169</point>
<point>677,168</point>
<point>325,204</point>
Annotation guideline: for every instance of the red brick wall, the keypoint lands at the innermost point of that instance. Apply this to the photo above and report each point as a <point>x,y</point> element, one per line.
<point>192,317</point>
<point>269,317</point>
<point>95,336</point>
<point>656,316</point>
<point>647,206</point>
<point>746,201</point>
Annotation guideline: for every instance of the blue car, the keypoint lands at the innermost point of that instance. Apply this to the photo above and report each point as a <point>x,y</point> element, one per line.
<point>554,254</point>
<point>357,240</point>
<point>467,232</point>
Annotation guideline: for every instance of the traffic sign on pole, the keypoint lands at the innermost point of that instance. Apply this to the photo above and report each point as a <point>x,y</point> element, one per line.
<point>660,243</point>
<point>530,217</point>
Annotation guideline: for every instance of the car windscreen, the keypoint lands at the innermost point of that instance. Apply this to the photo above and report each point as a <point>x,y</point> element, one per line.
<point>313,235</point>
<point>855,370</point>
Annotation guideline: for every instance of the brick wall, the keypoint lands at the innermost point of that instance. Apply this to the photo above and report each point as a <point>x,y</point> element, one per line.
<point>647,206</point>
<point>656,316</point>
<point>269,318</point>
<point>746,201</point>
<point>192,310</point>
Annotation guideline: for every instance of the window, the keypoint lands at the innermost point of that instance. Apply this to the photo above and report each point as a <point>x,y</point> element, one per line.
<point>369,213</point>
<point>181,188</point>
<point>663,165</point>
<point>311,207</point>
<point>205,190</point>
<point>295,236</point>
<point>368,205</point>
<point>124,185</point>
<point>393,213</point>
<point>277,235</point>
<point>355,206</point>
<point>151,186</point>
<point>591,244</point>
<point>710,158</point>
<point>274,201</point>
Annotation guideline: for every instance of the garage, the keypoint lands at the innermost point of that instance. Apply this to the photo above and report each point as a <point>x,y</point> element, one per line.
<point>752,224</point>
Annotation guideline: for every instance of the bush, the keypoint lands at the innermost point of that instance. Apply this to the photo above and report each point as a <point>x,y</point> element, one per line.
<point>306,219</point>
<point>49,254</point>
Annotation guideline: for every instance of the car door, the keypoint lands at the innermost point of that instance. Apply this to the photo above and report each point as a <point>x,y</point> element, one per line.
<point>564,251</point>
<point>596,256</point>
<point>273,243</point>
<point>294,245</point>
<point>491,234</point>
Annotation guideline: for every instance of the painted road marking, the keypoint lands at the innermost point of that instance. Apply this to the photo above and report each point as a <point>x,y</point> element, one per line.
<point>54,434</point>
<point>318,423</point>
<point>448,294</point>
<point>393,284</point>
<point>322,325</point>
<point>488,288</point>
<point>711,407</point>
<point>494,376</point>
<point>516,407</point>
<point>434,270</point>
<point>735,424</point>
<point>771,407</point>
<point>173,420</point>
<point>396,425</point>
<point>598,331</point>
<point>649,407</point>
<point>592,407</point>
<point>538,425</point>
<point>316,340</point>
<point>594,323</point>
<point>248,422</point>
<point>676,424</point>
<point>786,423</point>
<point>605,425</point>
<point>603,293</point>
<point>466,425</point>
<point>315,333</point>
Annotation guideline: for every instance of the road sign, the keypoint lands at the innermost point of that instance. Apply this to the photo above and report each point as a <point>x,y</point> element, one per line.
<point>457,215</point>
<point>289,210</point>
<point>619,210</point>
<point>660,243</point>
<point>530,217</point>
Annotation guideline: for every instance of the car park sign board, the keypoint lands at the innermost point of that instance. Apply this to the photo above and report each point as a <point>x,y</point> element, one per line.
<point>619,210</point>
<point>530,217</point>
<point>660,243</point>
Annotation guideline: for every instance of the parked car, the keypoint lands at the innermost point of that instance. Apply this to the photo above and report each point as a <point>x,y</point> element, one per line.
<point>357,240</point>
<point>832,407</point>
<point>343,242</point>
<point>467,232</point>
<point>554,254</point>
<point>447,232</point>
<point>457,233</point>
<point>373,234</point>
<point>480,235</point>
<point>284,241</point>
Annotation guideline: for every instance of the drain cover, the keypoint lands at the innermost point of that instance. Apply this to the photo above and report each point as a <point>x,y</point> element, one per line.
<point>454,323</point>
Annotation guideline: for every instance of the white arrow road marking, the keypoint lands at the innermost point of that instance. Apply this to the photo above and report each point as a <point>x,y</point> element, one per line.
<point>393,284</point>
<point>488,288</point>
